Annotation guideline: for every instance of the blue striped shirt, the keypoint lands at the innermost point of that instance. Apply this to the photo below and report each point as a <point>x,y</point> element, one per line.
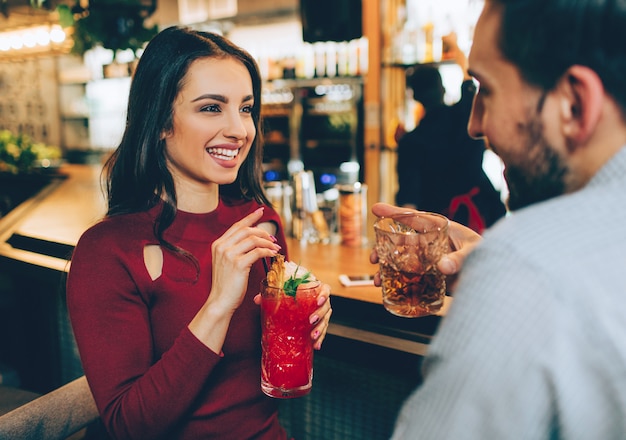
<point>534,345</point>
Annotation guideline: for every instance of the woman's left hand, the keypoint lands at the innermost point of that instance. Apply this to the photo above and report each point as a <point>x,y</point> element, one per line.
<point>319,318</point>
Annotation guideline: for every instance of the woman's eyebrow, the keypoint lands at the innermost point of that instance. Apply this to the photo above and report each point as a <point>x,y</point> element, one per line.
<point>221,98</point>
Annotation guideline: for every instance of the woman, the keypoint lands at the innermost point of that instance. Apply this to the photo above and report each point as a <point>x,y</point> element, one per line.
<point>161,293</point>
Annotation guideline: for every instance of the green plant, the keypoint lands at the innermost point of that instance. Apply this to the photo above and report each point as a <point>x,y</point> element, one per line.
<point>112,24</point>
<point>18,153</point>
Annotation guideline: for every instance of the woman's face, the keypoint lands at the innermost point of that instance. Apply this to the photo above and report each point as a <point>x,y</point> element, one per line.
<point>212,129</point>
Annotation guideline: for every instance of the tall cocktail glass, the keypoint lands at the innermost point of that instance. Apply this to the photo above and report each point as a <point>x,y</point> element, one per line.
<point>287,348</point>
<point>409,247</point>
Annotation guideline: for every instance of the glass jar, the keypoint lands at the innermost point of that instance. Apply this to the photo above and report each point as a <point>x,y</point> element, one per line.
<point>352,213</point>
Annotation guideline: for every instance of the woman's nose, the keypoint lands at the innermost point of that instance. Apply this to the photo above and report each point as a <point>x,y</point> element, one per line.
<point>235,126</point>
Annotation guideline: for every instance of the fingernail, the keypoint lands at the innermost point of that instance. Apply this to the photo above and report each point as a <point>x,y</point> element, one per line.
<point>261,209</point>
<point>273,238</point>
<point>316,334</point>
<point>447,265</point>
<point>318,346</point>
<point>321,300</point>
<point>314,319</point>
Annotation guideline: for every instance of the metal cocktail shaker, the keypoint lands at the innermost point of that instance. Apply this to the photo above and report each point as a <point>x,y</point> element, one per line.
<point>308,221</point>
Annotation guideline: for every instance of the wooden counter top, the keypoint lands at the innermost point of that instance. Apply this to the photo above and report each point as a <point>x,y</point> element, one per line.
<point>56,217</point>
<point>327,261</point>
<point>66,210</point>
<point>65,213</point>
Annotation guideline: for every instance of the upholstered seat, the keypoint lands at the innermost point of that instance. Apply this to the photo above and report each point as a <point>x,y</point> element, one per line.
<point>53,416</point>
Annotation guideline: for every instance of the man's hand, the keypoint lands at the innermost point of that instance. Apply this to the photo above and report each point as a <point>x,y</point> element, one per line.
<point>462,241</point>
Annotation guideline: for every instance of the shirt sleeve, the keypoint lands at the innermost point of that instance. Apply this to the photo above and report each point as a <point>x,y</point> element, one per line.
<point>486,375</point>
<point>270,215</point>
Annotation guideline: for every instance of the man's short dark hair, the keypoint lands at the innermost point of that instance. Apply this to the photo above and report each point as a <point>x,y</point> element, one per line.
<point>543,38</point>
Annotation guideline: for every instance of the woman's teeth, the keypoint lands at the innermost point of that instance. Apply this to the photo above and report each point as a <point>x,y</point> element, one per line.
<point>222,153</point>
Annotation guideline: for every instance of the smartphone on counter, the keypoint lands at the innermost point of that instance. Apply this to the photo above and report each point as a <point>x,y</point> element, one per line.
<point>356,280</point>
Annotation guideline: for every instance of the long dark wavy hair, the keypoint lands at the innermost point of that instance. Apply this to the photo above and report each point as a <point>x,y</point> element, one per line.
<point>137,177</point>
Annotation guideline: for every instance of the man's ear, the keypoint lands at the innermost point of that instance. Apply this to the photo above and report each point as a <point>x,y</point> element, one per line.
<point>582,95</point>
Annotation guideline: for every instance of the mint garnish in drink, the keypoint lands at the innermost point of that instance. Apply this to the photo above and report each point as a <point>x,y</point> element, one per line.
<point>291,284</point>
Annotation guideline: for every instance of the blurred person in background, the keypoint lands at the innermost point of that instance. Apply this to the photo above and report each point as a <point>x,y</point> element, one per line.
<point>440,168</point>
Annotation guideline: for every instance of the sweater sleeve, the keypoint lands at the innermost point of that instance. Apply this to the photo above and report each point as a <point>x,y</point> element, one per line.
<point>270,215</point>
<point>109,315</point>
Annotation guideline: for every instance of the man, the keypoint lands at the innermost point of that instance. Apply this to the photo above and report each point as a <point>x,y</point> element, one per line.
<point>533,346</point>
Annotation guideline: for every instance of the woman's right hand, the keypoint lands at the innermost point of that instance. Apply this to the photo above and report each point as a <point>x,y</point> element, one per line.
<point>462,241</point>
<point>234,253</point>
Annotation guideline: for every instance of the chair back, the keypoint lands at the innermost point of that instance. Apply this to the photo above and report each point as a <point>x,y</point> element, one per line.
<point>53,416</point>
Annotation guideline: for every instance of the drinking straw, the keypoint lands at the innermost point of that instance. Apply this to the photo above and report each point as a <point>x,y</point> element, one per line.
<point>267,269</point>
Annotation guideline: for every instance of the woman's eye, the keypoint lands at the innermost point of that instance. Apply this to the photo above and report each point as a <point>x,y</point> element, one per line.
<point>246,109</point>
<point>211,108</point>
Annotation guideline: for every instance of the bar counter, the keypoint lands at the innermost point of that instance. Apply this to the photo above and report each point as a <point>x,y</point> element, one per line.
<point>43,230</point>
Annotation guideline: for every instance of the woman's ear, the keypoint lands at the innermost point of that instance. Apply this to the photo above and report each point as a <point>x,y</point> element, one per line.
<point>581,99</point>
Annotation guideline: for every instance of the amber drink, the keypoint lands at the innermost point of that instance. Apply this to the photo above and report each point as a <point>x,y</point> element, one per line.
<point>409,247</point>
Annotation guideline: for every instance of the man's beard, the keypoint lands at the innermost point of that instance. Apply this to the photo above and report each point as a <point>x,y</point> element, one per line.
<point>540,174</point>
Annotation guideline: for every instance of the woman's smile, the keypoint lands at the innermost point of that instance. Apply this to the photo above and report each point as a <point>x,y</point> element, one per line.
<point>223,153</point>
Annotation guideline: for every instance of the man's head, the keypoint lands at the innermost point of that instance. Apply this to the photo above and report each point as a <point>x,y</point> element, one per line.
<point>550,103</point>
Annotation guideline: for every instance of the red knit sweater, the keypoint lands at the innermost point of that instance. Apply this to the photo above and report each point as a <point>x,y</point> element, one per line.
<point>150,376</point>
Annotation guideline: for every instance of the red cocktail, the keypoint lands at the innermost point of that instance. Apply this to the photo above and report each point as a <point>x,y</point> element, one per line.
<point>287,348</point>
